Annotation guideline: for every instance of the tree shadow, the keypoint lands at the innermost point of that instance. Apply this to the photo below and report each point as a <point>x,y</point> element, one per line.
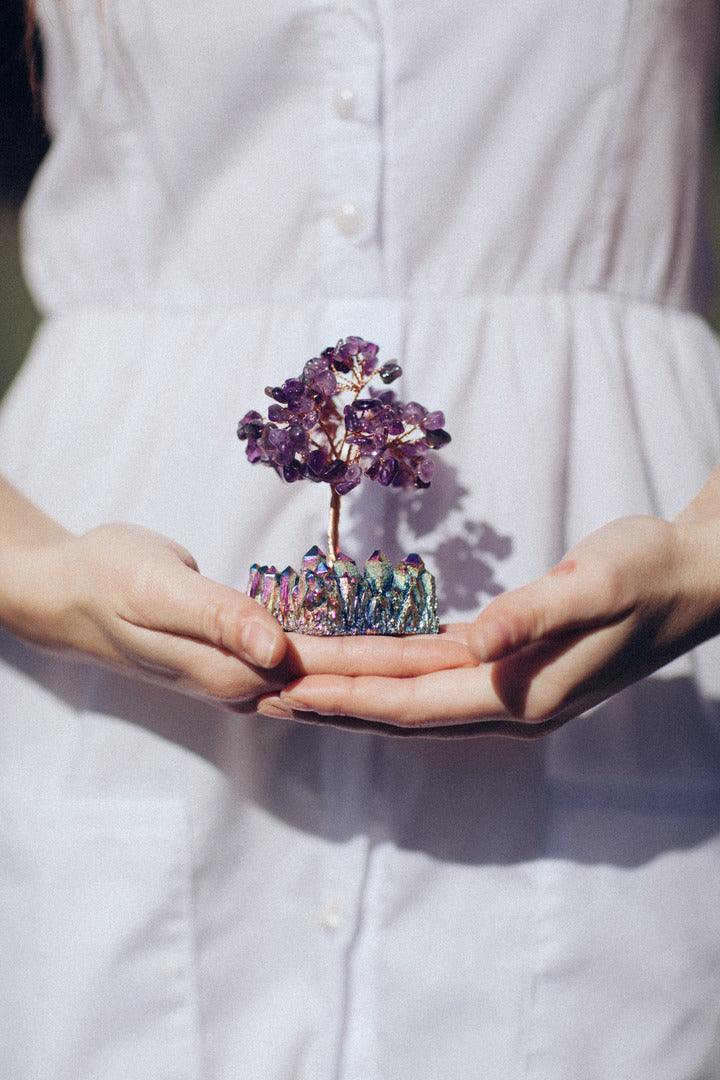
<point>620,785</point>
<point>463,552</point>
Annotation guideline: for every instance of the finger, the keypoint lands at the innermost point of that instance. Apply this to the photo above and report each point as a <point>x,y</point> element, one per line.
<point>374,655</point>
<point>194,666</point>
<point>171,596</point>
<point>566,675</point>
<point>459,632</point>
<point>526,694</point>
<point>271,706</point>
<point>439,698</point>
<point>566,599</point>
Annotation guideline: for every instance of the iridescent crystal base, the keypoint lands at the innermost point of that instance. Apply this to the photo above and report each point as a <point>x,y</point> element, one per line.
<point>325,600</point>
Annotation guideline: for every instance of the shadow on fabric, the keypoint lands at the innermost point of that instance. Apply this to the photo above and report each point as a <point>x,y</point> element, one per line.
<point>621,785</point>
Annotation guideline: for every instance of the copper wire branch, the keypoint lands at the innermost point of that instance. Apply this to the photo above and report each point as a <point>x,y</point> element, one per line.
<point>333,528</point>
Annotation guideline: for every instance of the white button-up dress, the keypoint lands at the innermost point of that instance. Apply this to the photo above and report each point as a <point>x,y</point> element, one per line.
<point>509,198</point>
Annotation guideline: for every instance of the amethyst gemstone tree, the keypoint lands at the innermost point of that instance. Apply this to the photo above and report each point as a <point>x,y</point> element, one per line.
<point>329,426</point>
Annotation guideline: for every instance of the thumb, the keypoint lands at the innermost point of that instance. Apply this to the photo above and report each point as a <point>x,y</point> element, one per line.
<point>562,600</point>
<point>185,602</point>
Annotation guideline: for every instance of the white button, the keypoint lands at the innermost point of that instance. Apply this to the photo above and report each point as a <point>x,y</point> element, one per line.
<point>345,102</point>
<point>347,218</point>
<point>331,914</point>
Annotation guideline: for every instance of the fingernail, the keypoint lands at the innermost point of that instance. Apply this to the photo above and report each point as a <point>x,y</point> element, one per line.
<point>288,700</point>
<point>274,708</point>
<point>259,643</point>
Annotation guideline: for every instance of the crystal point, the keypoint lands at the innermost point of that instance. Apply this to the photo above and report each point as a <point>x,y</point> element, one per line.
<point>342,599</point>
<point>312,558</point>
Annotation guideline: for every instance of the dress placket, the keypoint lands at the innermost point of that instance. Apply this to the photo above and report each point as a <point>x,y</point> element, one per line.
<point>350,190</point>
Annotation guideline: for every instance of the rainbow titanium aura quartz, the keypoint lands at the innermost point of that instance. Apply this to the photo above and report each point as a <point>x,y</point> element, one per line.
<point>324,600</point>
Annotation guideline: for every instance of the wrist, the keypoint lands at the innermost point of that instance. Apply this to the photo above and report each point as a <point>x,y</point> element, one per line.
<point>35,592</point>
<point>705,506</point>
<point>698,568</point>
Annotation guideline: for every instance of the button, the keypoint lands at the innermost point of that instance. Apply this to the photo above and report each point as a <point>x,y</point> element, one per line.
<point>331,914</point>
<point>345,102</point>
<point>347,218</point>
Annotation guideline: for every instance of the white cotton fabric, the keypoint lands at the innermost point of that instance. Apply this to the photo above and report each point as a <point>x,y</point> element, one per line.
<point>187,894</point>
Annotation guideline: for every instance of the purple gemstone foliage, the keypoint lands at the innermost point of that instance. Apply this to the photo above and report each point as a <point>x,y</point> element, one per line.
<point>329,426</point>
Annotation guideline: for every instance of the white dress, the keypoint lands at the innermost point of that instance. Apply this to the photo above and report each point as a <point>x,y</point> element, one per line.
<point>508,198</point>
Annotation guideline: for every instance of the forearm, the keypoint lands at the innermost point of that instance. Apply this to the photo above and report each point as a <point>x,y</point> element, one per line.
<point>698,527</point>
<point>22,524</point>
<point>24,531</point>
<point>705,506</point>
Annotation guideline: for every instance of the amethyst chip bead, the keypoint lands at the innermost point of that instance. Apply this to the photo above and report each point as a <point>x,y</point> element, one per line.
<point>312,431</point>
<point>330,425</point>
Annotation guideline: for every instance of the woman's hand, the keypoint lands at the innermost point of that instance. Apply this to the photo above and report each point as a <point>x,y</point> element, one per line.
<point>135,600</point>
<point>623,602</point>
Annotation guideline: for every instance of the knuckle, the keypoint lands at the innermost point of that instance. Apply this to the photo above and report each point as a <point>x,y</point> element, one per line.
<point>612,592</point>
<point>221,678</point>
<point>517,625</point>
<point>400,717</point>
<point>602,579</point>
<point>349,699</point>
<point>213,621</point>
<point>410,714</point>
<point>184,555</point>
<point>142,591</point>
<point>226,686</point>
<point>536,713</point>
<point>546,702</point>
<point>405,646</point>
<point>105,532</point>
<point>346,655</point>
<point>531,701</point>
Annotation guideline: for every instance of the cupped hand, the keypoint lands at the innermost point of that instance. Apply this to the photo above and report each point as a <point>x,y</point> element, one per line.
<point>135,600</point>
<point>622,603</point>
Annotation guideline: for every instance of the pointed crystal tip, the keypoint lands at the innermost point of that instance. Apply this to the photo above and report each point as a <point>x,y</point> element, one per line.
<point>320,600</point>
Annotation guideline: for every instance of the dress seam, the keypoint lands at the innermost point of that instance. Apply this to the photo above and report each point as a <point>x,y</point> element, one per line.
<point>407,300</point>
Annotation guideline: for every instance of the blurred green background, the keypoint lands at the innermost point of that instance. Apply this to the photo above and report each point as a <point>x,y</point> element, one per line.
<point>22,145</point>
